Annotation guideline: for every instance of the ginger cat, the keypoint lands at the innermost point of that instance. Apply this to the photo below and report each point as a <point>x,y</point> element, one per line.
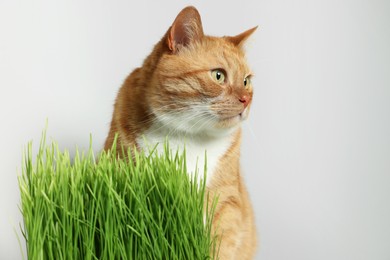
<point>195,90</point>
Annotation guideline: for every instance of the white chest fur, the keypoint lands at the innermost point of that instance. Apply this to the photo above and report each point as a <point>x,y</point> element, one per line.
<point>196,148</point>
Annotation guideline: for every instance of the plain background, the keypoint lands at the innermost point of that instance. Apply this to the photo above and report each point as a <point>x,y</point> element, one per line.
<point>316,150</point>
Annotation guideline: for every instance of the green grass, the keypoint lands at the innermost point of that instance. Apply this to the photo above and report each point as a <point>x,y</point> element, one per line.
<point>141,208</point>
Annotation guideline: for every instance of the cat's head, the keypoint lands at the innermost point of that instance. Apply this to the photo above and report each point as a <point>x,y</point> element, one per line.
<point>201,84</point>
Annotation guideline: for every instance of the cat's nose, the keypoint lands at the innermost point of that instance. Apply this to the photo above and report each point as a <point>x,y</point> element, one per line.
<point>244,99</point>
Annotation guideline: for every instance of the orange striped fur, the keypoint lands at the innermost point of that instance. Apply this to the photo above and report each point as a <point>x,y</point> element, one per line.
<point>195,90</point>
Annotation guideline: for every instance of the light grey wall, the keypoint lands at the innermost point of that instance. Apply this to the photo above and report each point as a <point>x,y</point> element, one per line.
<point>316,150</point>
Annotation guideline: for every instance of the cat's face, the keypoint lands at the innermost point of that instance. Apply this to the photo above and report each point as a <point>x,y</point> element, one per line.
<point>203,87</point>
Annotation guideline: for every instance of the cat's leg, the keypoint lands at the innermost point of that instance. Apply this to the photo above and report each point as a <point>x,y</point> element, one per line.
<point>234,226</point>
<point>227,226</point>
<point>248,242</point>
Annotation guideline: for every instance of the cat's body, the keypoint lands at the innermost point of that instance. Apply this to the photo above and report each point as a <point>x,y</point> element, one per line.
<point>195,90</point>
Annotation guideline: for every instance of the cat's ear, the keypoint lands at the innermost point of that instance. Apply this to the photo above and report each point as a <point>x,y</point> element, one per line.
<point>186,28</point>
<point>240,39</point>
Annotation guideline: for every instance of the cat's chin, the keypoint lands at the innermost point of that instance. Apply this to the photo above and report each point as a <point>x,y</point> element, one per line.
<point>220,131</point>
<point>231,122</point>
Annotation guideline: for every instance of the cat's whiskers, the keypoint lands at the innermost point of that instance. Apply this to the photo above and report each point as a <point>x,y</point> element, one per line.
<point>181,129</point>
<point>196,111</point>
<point>164,120</point>
<point>152,117</point>
<point>252,132</point>
<point>207,121</point>
<point>203,116</point>
<point>164,117</point>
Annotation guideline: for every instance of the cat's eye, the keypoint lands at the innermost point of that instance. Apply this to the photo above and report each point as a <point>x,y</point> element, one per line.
<point>218,76</point>
<point>247,81</point>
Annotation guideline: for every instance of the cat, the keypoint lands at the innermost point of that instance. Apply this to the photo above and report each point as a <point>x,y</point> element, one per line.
<point>196,90</point>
